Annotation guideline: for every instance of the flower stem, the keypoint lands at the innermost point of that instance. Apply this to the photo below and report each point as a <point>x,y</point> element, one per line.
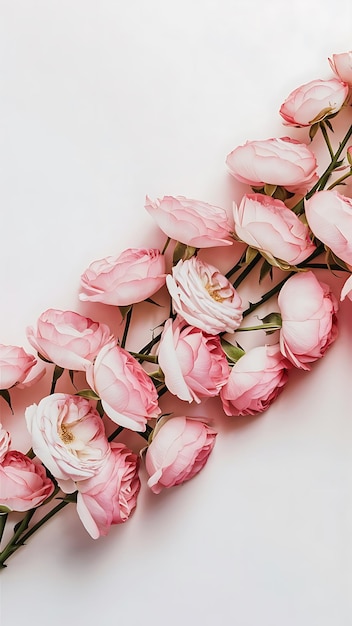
<point>166,245</point>
<point>247,270</point>
<point>115,433</point>
<point>12,546</point>
<point>340,180</point>
<point>3,519</point>
<point>127,326</point>
<point>144,357</point>
<point>326,139</point>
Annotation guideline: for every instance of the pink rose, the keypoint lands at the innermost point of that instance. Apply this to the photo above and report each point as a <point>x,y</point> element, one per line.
<point>193,362</point>
<point>68,339</point>
<point>68,436</point>
<point>15,365</point>
<point>110,496</point>
<point>347,289</point>
<point>179,450</point>
<point>313,101</point>
<point>284,162</point>
<point>269,226</point>
<point>309,324</point>
<point>35,375</point>
<point>329,215</point>
<point>341,64</point>
<point>191,222</point>
<point>126,391</point>
<point>255,381</point>
<point>203,297</point>
<point>131,277</point>
<point>23,482</point>
<point>5,442</point>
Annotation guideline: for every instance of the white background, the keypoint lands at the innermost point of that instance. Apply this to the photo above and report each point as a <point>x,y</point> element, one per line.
<point>103,102</point>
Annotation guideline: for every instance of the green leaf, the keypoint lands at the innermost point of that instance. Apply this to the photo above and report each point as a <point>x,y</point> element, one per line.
<point>87,393</point>
<point>4,393</point>
<point>232,352</point>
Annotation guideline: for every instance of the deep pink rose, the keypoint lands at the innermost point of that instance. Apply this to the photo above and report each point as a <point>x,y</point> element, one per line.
<point>255,381</point>
<point>132,276</point>
<point>179,450</point>
<point>110,496</point>
<point>341,64</point>
<point>193,362</point>
<point>68,436</point>
<point>191,222</point>
<point>346,290</point>
<point>203,297</point>
<point>5,442</point>
<point>23,482</point>
<point>284,162</point>
<point>269,226</point>
<point>313,101</point>
<point>67,338</point>
<point>309,323</point>
<point>329,215</point>
<point>126,391</point>
<point>15,365</point>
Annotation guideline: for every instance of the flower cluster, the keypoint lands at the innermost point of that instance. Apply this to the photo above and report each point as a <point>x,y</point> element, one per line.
<point>291,222</point>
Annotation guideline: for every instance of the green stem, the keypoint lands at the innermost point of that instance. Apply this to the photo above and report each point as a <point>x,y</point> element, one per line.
<point>259,327</point>
<point>115,433</point>
<point>127,326</point>
<point>41,522</point>
<point>166,245</point>
<point>236,267</point>
<point>326,139</point>
<point>340,180</point>
<point>3,519</point>
<point>247,270</point>
<point>12,546</point>
<point>145,357</point>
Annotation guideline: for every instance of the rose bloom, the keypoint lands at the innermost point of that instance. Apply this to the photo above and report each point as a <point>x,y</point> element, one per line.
<point>193,363</point>
<point>341,64</point>
<point>5,442</point>
<point>329,215</point>
<point>284,162</point>
<point>110,496</point>
<point>255,381</point>
<point>132,276</point>
<point>203,297</point>
<point>179,450</point>
<point>15,365</point>
<point>68,436</point>
<point>269,226</point>
<point>309,323</point>
<point>313,101</point>
<point>23,482</point>
<point>126,391</point>
<point>347,289</point>
<point>35,374</point>
<point>67,338</point>
<point>191,222</point>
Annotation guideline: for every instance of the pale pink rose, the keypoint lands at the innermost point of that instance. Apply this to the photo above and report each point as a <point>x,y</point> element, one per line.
<point>313,101</point>
<point>284,162</point>
<point>35,375</point>
<point>179,450</point>
<point>68,339</point>
<point>15,365</point>
<point>347,289</point>
<point>255,381</point>
<point>309,324</point>
<point>24,484</point>
<point>191,222</point>
<point>341,64</point>
<point>193,363</point>
<point>329,215</point>
<point>110,496</point>
<point>126,391</point>
<point>68,436</point>
<point>5,442</point>
<point>203,297</point>
<point>269,226</point>
<point>132,276</point>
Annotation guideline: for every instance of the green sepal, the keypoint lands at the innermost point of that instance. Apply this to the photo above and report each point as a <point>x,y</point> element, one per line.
<point>313,131</point>
<point>331,259</point>
<point>251,253</point>
<point>152,302</point>
<point>124,310</point>
<point>70,497</point>
<point>43,358</point>
<point>4,510</point>
<point>89,394</point>
<point>265,269</point>
<point>232,352</point>
<point>100,409</point>
<point>349,158</point>
<point>269,190</point>
<point>4,393</point>
<point>182,251</point>
<point>272,318</point>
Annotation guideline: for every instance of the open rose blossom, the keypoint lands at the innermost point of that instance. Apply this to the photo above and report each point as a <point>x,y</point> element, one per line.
<point>5,442</point>
<point>313,101</point>
<point>269,226</point>
<point>126,391</point>
<point>329,215</point>
<point>179,450</point>
<point>341,64</point>
<point>67,338</point>
<point>193,362</point>
<point>203,297</point>
<point>255,381</point>
<point>284,162</point>
<point>309,325</point>
<point>23,482</point>
<point>110,496</point>
<point>132,276</point>
<point>15,365</point>
<point>191,222</point>
<point>68,436</point>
